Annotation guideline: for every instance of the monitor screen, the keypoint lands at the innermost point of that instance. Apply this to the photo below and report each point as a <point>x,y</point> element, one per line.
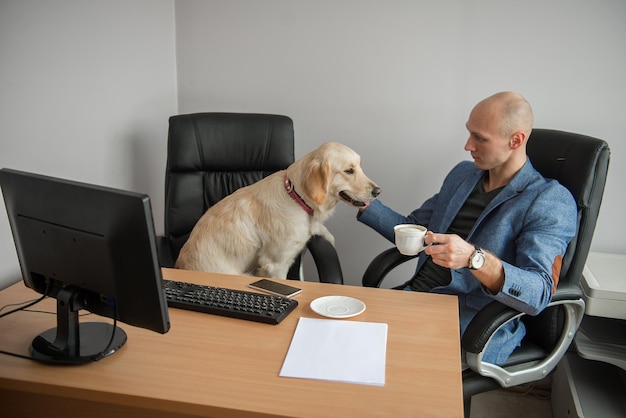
<point>91,248</point>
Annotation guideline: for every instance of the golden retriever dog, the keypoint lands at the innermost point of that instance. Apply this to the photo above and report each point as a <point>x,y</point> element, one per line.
<point>260,229</point>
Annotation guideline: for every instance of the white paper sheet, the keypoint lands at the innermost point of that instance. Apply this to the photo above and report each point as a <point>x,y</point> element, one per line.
<point>337,350</point>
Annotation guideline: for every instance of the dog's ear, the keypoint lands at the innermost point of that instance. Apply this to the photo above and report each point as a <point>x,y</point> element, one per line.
<point>316,180</point>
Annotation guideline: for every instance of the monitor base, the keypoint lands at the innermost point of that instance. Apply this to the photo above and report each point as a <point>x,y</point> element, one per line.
<point>94,344</point>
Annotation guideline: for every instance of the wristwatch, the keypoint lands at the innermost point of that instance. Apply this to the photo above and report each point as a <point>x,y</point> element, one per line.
<point>477,259</point>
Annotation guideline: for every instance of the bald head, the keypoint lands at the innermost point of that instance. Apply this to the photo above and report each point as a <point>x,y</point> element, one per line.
<point>510,111</point>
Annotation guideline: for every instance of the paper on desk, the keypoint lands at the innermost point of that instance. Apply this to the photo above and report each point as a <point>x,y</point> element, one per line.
<point>343,351</point>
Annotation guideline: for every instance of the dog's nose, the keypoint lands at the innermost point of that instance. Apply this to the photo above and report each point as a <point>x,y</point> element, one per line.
<point>375,191</point>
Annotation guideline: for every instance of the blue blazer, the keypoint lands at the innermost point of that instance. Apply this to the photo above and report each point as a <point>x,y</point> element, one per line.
<point>528,225</point>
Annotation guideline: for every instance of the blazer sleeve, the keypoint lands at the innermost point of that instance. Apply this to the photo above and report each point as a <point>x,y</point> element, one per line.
<point>549,225</point>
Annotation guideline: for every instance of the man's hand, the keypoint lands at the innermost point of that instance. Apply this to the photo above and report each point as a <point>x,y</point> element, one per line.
<point>450,250</point>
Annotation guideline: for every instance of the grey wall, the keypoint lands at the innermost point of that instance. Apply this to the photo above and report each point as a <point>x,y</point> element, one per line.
<point>396,80</point>
<point>85,92</point>
<point>86,87</point>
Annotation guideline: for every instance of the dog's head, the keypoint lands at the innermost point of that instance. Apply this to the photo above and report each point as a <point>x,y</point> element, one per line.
<point>333,173</point>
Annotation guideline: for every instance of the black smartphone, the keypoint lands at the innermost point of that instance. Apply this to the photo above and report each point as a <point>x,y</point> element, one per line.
<point>275,288</point>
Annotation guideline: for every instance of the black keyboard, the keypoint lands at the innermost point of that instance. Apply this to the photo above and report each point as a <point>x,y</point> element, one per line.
<point>239,304</point>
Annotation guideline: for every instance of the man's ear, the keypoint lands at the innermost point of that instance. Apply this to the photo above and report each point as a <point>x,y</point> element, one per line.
<point>517,139</point>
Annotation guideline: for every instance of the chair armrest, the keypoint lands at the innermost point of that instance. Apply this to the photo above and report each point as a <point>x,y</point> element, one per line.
<point>493,316</point>
<point>382,265</point>
<point>485,324</point>
<point>326,260</point>
<point>525,368</point>
<point>164,251</point>
<point>567,291</point>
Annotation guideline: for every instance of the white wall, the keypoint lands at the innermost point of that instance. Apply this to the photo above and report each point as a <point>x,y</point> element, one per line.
<point>85,92</point>
<point>396,80</point>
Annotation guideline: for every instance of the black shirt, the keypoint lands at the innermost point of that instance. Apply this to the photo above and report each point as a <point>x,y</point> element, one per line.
<point>432,275</point>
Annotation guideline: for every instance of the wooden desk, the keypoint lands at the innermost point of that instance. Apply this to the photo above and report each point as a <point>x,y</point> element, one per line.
<point>208,365</point>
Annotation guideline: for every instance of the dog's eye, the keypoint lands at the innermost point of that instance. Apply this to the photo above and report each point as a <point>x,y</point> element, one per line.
<point>349,171</point>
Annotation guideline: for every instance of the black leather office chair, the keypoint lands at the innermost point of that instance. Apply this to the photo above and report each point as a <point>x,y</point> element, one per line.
<point>580,163</point>
<point>209,156</point>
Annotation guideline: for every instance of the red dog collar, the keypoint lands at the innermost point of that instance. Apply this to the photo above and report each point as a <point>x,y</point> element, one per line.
<point>295,196</point>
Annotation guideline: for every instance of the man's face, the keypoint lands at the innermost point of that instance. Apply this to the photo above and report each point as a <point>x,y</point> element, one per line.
<point>488,147</point>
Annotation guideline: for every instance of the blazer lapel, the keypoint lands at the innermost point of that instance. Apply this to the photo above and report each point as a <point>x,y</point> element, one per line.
<point>459,197</point>
<point>515,187</point>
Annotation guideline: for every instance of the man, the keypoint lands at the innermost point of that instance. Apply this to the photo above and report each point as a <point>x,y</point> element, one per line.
<point>497,228</point>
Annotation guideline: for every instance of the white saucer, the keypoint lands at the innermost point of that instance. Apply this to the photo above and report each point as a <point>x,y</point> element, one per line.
<point>337,306</point>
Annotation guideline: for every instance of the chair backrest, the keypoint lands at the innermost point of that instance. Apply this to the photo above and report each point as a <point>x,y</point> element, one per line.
<point>580,163</point>
<point>210,155</point>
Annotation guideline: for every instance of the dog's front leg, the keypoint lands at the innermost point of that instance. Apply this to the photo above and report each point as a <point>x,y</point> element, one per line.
<point>272,273</point>
<point>320,229</point>
<point>277,265</point>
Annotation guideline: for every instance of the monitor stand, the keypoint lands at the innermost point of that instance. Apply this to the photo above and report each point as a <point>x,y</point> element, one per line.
<point>74,343</point>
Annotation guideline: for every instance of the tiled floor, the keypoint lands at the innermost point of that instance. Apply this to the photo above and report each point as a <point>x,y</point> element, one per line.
<point>520,402</point>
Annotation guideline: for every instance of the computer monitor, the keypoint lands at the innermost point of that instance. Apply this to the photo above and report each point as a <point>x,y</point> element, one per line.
<point>91,248</point>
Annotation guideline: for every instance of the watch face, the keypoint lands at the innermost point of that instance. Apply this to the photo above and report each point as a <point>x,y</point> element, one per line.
<point>478,259</point>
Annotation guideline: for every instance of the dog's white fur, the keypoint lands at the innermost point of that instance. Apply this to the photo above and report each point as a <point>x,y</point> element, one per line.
<point>260,229</point>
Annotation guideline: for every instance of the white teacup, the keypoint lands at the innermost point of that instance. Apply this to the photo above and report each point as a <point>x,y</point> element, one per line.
<point>410,238</point>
